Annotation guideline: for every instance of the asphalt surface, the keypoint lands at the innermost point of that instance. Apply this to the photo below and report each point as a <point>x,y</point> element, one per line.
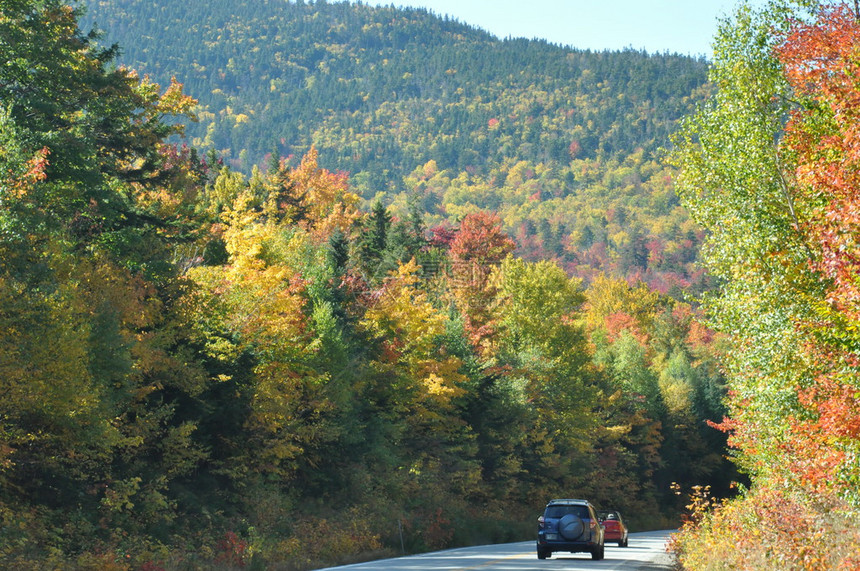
<point>646,552</point>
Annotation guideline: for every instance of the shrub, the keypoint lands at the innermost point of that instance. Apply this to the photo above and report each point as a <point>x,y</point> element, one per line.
<point>769,528</point>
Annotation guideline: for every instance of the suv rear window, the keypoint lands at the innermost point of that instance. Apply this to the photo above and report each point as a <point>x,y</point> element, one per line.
<point>561,511</point>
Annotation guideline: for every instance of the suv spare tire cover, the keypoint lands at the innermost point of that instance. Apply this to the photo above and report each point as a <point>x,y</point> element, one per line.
<point>570,527</point>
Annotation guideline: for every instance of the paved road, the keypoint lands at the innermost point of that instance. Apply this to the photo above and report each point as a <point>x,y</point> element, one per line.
<point>647,552</point>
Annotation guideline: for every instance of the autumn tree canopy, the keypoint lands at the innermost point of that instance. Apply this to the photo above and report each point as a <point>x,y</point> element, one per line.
<point>204,367</point>
<point>769,168</point>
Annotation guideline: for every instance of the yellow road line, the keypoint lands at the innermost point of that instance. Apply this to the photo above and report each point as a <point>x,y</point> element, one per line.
<point>488,563</point>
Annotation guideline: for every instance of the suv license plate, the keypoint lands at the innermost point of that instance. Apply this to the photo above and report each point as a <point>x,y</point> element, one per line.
<point>552,536</point>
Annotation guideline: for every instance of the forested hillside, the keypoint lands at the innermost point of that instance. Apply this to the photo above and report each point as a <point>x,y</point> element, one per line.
<point>426,111</point>
<point>202,369</point>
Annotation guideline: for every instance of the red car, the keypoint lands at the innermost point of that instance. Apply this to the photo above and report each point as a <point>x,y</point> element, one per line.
<point>615,528</point>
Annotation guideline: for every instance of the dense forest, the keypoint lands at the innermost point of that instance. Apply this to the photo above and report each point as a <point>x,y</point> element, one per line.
<point>202,367</point>
<point>563,144</point>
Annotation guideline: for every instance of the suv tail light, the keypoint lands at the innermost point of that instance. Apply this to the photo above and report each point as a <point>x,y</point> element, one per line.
<point>540,522</point>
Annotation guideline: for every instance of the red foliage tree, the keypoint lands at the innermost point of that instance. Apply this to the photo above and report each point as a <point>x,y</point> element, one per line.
<point>480,245</point>
<point>822,67</point>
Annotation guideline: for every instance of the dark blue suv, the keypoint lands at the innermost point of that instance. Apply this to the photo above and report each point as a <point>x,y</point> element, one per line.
<point>569,525</point>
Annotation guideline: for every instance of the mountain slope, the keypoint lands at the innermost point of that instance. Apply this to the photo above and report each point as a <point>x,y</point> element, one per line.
<point>306,73</point>
<point>431,111</point>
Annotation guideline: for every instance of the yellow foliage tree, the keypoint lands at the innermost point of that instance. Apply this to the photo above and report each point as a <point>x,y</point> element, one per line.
<point>329,203</point>
<point>256,306</point>
<point>412,326</point>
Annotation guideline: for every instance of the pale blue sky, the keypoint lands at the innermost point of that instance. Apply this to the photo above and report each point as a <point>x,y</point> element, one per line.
<point>657,26</point>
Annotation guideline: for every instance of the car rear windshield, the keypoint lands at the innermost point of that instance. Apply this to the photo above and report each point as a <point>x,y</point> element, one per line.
<point>609,515</point>
<point>561,511</point>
